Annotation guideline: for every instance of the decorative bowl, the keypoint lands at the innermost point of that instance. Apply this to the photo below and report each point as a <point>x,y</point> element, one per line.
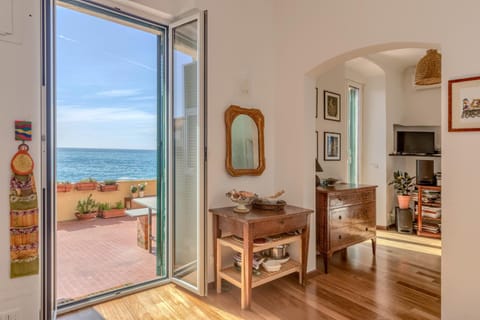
<point>330,181</point>
<point>271,265</point>
<point>242,199</point>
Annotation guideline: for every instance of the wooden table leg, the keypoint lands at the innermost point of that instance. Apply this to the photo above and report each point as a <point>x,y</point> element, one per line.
<point>305,240</point>
<point>247,259</point>
<point>216,253</point>
<point>218,267</point>
<point>142,230</point>
<point>149,230</point>
<point>374,246</point>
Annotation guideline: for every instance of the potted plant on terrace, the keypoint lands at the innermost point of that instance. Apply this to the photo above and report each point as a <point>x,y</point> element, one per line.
<point>64,186</point>
<point>109,185</point>
<point>404,185</point>
<point>86,184</point>
<point>141,189</point>
<point>133,190</point>
<point>106,211</point>
<point>86,209</point>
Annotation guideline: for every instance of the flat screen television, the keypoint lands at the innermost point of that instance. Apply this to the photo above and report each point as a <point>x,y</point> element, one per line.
<point>411,142</point>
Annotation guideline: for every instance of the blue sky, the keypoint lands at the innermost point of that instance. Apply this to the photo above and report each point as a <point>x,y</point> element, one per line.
<point>106,83</point>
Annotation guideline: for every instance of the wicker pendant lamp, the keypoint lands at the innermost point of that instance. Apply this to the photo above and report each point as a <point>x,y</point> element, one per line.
<point>429,69</point>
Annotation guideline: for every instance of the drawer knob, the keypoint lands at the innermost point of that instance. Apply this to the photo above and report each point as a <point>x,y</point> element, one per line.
<point>366,229</point>
<point>339,217</point>
<point>339,236</point>
<point>282,222</point>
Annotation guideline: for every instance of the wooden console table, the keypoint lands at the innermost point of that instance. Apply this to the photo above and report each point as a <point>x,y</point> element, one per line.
<point>346,215</point>
<point>249,226</point>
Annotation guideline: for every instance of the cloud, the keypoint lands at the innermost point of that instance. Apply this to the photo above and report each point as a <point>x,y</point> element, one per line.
<point>142,98</point>
<point>114,115</point>
<point>130,61</point>
<point>61,36</point>
<point>119,93</point>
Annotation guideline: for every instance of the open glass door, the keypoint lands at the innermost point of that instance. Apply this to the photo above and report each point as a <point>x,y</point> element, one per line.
<point>188,152</point>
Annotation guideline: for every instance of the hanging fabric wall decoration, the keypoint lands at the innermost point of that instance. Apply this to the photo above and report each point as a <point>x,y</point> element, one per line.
<point>23,216</point>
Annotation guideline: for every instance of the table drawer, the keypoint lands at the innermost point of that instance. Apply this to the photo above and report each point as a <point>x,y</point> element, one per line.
<point>360,213</point>
<point>349,235</point>
<point>351,198</point>
<point>281,225</point>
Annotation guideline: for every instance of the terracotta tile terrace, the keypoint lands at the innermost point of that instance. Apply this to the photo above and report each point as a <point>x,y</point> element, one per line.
<point>98,255</point>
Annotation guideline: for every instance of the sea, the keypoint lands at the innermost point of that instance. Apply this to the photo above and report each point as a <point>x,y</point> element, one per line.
<point>74,164</point>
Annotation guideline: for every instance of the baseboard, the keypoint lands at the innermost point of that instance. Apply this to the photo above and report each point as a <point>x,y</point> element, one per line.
<point>382,227</point>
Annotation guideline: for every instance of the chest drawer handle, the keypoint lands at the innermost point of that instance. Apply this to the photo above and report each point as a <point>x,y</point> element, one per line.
<point>282,222</point>
<point>339,217</point>
<point>366,229</point>
<point>339,236</point>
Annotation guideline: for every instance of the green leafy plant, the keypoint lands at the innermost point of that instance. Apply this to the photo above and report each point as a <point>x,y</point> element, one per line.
<point>86,206</point>
<point>403,183</point>
<point>103,206</point>
<point>64,182</point>
<point>110,182</point>
<point>133,188</point>
<point>89,179</point>
<point>119,205</point>
<point>142,186</point>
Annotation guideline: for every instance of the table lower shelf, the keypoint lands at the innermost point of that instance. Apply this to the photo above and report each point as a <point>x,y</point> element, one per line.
<point>232,275</point>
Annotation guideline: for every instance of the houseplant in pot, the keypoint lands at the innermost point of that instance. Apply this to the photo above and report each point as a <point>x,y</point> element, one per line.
<point>109,185</point>
<point>64,186</point>
<point>86,184</point>
<point>106,211</point>
<point>86,209</point>
<point>141,189</point>
<point>404,185</point>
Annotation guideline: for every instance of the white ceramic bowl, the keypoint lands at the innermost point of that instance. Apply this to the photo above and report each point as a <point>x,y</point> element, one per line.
<point>272,265</point>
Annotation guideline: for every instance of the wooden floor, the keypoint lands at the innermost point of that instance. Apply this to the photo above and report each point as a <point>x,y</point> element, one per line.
<point>402,282</point>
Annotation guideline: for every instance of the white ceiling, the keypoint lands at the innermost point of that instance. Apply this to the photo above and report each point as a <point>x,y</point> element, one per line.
<point>405,57</point>
<point>364,67</point>
<point>402,58</point>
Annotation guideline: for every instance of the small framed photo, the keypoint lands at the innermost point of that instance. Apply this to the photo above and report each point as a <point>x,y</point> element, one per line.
<point>332,146</point>
<point>331,106</point>
<point>464,104</point>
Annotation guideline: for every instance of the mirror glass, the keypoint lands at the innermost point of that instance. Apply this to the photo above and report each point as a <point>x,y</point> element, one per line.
<point>245,149</point>
<point>244,143</point>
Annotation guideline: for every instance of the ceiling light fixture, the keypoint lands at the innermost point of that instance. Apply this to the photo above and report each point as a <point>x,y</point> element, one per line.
<point>429,69</point>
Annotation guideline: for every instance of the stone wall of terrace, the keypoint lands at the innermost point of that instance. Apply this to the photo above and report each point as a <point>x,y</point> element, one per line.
<point>67,201</point>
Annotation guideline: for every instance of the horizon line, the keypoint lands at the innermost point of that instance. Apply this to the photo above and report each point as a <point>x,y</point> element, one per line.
<point>100,148</point>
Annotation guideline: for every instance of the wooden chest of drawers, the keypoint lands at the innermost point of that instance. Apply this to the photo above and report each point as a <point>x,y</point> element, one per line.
<point>345,215</point>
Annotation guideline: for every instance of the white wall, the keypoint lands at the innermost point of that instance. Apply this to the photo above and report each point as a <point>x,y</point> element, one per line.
<point>422,106</point>
<point>374,141</point>
<point>239,54</point>
<point>365,25</point>
<point>334,81</point>
<point>19,100</point>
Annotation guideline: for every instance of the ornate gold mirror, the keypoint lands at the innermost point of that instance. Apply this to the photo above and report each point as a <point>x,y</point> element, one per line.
<point>245,148</point>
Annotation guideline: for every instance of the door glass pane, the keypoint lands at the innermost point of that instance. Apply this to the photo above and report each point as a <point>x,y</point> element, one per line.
<point>186,164</point>
<point>110,87</point>
<point>353,105</point>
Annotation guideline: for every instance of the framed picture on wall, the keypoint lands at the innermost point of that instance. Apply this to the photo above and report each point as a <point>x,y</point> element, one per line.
<point>331,106</point>
<point>464,104</point>
<point>332,146</point>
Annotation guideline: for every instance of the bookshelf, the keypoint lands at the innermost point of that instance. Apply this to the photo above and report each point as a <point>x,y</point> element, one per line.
<point>428,211</point>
